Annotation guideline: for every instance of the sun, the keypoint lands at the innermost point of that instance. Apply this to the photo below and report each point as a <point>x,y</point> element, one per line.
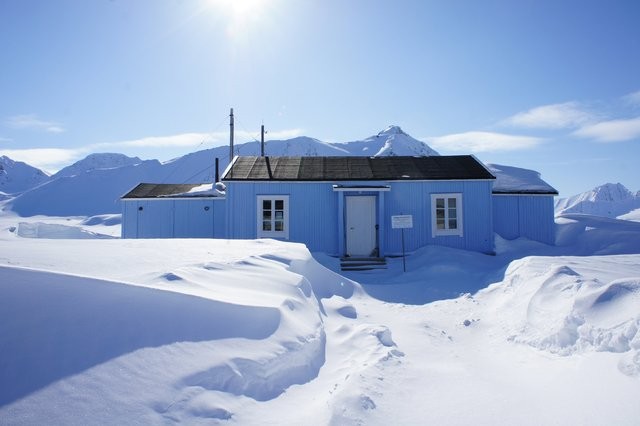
<point>241,14</point>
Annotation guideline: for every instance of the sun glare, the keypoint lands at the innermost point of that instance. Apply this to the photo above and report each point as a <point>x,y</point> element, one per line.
<point>241,14</point>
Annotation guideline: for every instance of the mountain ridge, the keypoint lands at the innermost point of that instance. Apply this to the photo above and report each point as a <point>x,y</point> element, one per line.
<point>607,200</point>
<point>94,184</point>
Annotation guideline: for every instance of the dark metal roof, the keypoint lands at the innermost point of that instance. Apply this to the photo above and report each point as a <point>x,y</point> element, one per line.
<point>440,167</point>
<point>162,190</point>
<point>525,192</point>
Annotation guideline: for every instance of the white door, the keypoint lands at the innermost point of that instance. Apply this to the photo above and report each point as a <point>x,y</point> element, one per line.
<point>361,225</point>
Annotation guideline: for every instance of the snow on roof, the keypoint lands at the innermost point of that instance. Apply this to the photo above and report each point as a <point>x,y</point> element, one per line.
<point>171,190</point>
<point>514,180</point>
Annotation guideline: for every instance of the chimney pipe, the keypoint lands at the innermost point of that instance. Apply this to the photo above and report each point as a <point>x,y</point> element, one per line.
<point>217,171</point>
<point>262,140</point>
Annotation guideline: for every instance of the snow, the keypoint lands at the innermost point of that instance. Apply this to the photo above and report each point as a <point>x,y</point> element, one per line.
<point>515,179</point>
<point>391,141</point>
<point>16,176</point>
<point>110,331</point>
<point>633,215</point>
<point>99,330</point>
<point>204,190</point>
<point>608,200</point>
<point>96,162</point>
<point>93,186</point>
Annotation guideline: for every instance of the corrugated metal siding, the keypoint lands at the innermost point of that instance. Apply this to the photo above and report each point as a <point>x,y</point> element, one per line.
<point>174,218</point>
<point>313,207</point>
<point>530,217</point>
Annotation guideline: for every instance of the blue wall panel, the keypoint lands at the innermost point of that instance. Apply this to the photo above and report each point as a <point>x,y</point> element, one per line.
<point>174,218</point>
<point>313,210</point>
<point>317,213</point>
<point>129,219</point>
<point>528,216</point>
<point>415,198</point>
<point>193,218</point>
<point>506,216</point>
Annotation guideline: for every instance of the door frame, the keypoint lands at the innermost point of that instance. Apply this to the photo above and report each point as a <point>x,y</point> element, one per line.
<point>375,250</point>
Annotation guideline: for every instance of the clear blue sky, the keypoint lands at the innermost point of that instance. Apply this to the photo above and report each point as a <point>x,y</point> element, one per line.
<point>547,85</point>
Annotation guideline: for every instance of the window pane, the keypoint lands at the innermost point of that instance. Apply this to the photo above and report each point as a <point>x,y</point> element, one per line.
<point>453,224</point>
<point>440,214</point>
<point>452,203</point>
<point>266,204</point>
<point>452,213</point>
<point>266,214</point>
<point>279,204</point>
<point>440,223</point>
<point>279,225</point>
<point>266,225</point>
<point>279,214</point>
<point>439,203</point>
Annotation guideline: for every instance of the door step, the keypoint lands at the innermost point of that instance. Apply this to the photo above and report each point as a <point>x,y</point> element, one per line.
<point>362,263</point>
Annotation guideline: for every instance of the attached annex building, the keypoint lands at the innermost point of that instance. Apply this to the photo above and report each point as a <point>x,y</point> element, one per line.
<point>343,205</point>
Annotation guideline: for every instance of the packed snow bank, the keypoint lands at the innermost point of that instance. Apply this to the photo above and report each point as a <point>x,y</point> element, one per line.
<point>76,323</point>
<point>50,227</point>
<point>226,316</point>
<point>569,305</point>
<point>585,235</point>
<point>257,332</point>
<point>55,231</point>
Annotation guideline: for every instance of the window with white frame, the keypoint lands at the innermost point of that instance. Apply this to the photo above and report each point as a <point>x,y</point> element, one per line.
<point>446,214</point>
<point>273,216</point>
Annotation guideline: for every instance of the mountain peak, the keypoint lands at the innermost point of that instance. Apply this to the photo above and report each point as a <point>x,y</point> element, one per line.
<point>608,200</point>
<point>97,161</point>
<point>392,130</point>
<point>16,176</point>
<point>611,192</point>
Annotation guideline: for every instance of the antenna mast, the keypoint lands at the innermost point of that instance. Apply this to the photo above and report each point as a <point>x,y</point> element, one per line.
<point>231,135</point>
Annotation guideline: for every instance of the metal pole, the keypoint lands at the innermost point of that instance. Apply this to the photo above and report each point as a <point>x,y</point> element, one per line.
<point>262,140</point>
<point>231,135</point>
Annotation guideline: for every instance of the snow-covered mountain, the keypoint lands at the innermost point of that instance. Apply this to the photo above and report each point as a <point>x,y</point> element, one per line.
<point>389,142</point>
<point>16,176</point>
<point>94,185</point>
<point>97,161</point>
<point>608,200</point>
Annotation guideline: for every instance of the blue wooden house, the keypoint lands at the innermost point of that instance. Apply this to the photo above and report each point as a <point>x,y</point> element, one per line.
<point>344,205</point>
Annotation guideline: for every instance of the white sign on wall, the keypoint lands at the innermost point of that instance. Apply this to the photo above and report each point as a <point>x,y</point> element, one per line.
<point>402,221</point>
